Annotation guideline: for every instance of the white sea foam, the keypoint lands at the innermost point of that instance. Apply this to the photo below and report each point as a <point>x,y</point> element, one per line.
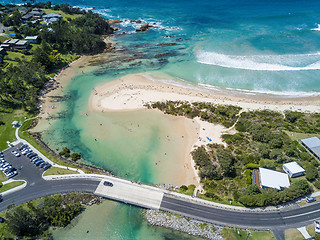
<point>180,82</point>
<point>317,28</point>
<point>291,94</point>
<point>289,62</point>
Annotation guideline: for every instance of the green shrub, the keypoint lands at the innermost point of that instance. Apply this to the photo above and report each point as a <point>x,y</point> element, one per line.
<point>252,166</point>
<point>248,176</point>
<point>183,188</point>
<point>317,184</point>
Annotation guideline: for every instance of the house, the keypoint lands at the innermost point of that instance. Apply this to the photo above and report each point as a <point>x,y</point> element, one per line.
<point>5,46</point>
<point>313,145</point>
<point>21,44</point>
<point>11,42</point>
<point>52,17</point>
<point>15,124</point>
<point>23,10</point>
<point>35,14</point>
<point>32,39</point>
<point>38,12</point>
<point>273,179</point>
<point>293,169</point>
<point>27,17</point>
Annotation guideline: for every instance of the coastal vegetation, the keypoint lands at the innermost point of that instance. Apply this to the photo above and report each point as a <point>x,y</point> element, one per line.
<point>224,115</point>
<point>27,70</point>
<point>33,219</point>
<point>260,140</point>
<point>67,154</point>
<point>239,234</point>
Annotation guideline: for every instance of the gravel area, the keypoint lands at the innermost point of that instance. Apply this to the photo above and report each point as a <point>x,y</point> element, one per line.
<point>183,224</point>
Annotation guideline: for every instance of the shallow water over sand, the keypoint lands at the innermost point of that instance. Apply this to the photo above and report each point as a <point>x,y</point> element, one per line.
<point>116,221</point>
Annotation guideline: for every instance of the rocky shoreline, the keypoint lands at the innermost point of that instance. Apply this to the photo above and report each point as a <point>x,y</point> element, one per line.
<point>183,224</point>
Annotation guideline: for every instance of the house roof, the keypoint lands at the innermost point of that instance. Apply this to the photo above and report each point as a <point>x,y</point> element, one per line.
<point>21,42</point>
<point>13,41</point>
<point>15,122</point>
<point>311,142</point>
<point>52,15</point>
<point>294,167</point>
<point>273,179</point>
<point>31,37</point>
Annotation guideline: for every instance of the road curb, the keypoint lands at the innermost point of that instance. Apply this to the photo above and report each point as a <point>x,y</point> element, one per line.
<point>12,190</point>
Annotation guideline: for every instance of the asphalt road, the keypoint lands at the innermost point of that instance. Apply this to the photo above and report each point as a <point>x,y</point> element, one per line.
<point>285,218</point>
<point>46,188</point>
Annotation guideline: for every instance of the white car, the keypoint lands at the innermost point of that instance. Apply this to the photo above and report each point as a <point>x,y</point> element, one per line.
<point>15,153</point>
<point>316,226</point>
<point>12,174</point>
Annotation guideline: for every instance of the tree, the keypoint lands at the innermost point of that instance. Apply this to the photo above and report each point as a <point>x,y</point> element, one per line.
<point>201,157</point>
<point>225,159</point>
<point>75,156</point>
<point>311,173</point>
<point>23,222</point>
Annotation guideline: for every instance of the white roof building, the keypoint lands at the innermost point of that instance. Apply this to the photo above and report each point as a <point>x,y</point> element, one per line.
<point>313,145</point>
<point>273,179</point>
<point>293,169</point>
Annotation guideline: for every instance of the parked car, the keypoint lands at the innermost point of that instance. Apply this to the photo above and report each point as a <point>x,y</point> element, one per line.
<point>47,166</point>
<point>31,154</point>
<point>23,147</point>
<point>12,174</point>
<point>108,184</point>
<point>26,151</point>
<point>311,199</point>
<point>15,153</point>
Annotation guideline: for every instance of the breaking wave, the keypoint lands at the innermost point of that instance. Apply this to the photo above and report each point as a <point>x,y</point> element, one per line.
<point>289,62</point>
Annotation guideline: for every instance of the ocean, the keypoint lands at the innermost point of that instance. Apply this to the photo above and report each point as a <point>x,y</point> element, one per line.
<point>256,46</point>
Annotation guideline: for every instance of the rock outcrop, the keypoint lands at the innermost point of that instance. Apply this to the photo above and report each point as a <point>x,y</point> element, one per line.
<point>144,27</point>
<point>113,21</point>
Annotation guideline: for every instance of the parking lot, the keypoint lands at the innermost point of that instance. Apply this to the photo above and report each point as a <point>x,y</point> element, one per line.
<point>26,169</point>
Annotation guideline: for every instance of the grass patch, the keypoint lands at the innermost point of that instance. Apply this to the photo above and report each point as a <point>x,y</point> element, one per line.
<point>3,38</point>
<point>222,201</point>
<point>7,132</point>
<point>11,185</point>
<point>293,234</point>
<point>63,14</point>
<point>3,177</point>
<point>294,136</point>
<point>310,229</point>
<point>239,234</point>
<point>58,171</point>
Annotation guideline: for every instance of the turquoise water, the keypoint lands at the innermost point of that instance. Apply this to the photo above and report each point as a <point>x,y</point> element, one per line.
<point>256,45</point>
<point>263,46</point>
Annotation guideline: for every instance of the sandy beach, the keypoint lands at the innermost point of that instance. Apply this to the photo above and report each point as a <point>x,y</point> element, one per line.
<point>132,92</point>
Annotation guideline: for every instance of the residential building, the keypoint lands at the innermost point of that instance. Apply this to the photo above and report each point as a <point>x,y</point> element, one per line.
<point>293,169</point>
<point>313,145</point>
<point>273,179</point>
<point>32,39</point>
